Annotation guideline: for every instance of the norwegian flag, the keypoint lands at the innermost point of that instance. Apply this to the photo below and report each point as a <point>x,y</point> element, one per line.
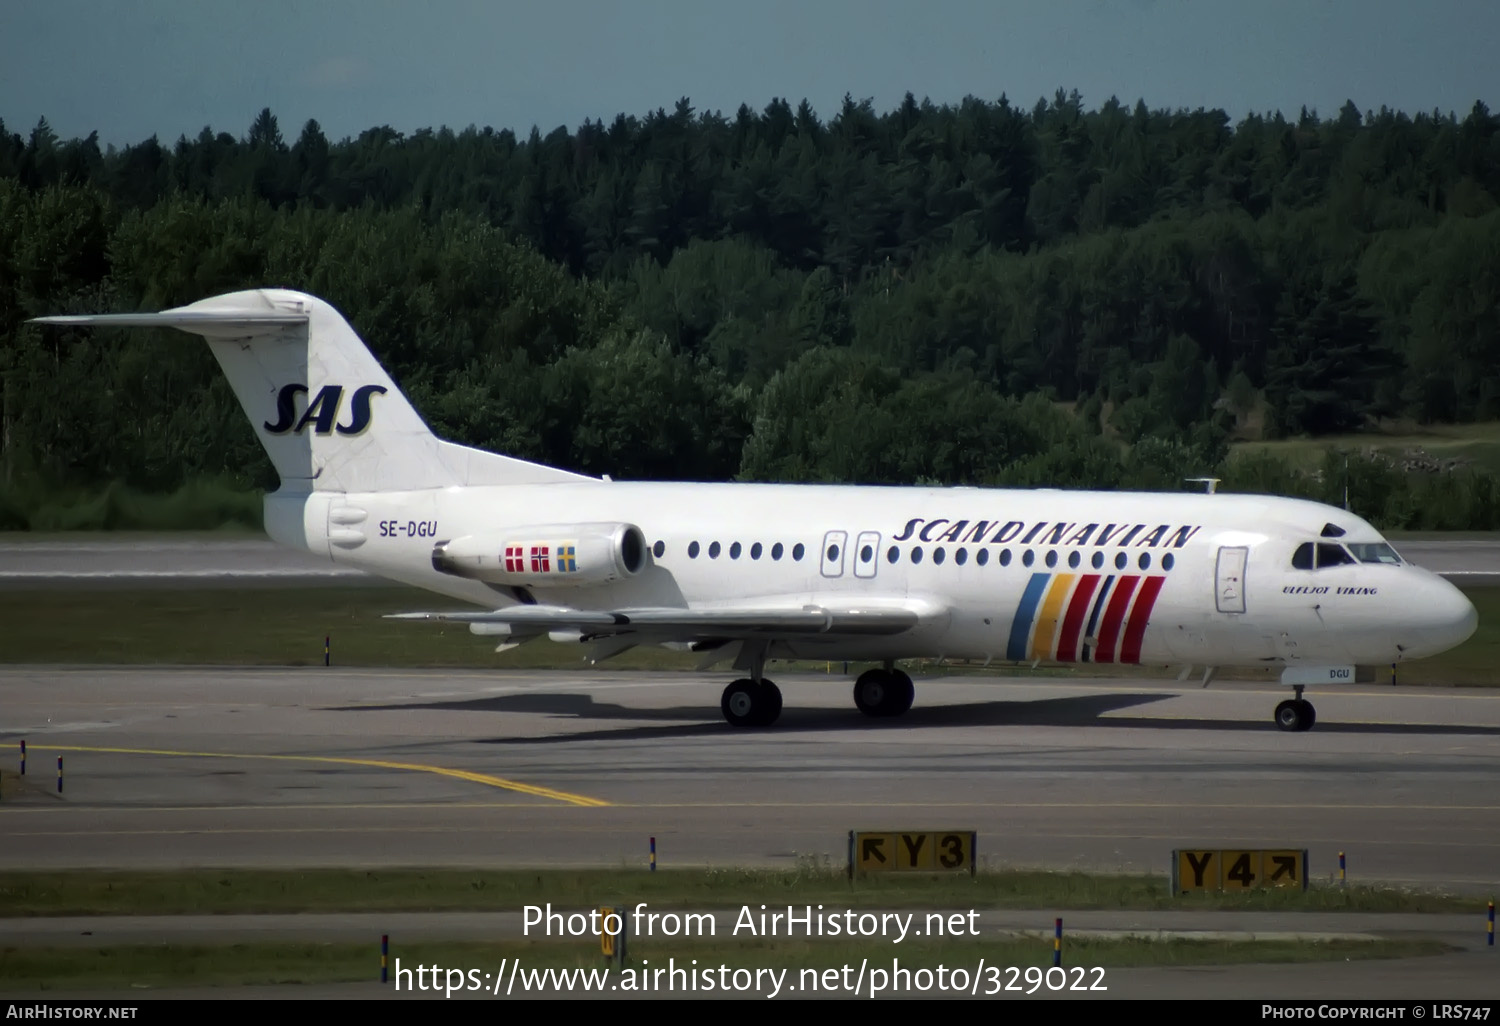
<point>515,559</point>
<point>540,560</point>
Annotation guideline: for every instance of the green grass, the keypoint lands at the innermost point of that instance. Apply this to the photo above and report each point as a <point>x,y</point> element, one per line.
<point>279,626</point>
<point>1475,445</point>
<point>143,967</point>
<point>244,891</point>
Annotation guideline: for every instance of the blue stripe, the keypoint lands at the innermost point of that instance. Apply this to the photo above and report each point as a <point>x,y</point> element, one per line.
<point>1020,627</point>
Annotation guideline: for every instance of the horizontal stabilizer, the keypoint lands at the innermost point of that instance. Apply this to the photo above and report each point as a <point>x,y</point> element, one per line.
<point>208,323</point>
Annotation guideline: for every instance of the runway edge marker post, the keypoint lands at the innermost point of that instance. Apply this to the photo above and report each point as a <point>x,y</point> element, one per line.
<point>59,774</point>
<point>653,854</point>
<point>23,756</point>
<point>1057,944</point>
<point>385,950</point>
<point>1343,881</point>
<point>1490,926</point>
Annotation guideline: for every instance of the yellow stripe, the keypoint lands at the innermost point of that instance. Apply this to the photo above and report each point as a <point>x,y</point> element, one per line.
<point>442,771</point>
<point>1046,623</point>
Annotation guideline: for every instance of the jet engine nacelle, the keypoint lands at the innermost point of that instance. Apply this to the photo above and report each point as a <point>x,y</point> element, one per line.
<point>546,555</point>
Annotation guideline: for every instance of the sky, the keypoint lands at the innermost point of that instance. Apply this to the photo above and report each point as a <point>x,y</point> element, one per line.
<point>130,69</point>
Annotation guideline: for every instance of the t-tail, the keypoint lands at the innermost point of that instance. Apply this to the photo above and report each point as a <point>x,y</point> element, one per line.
<point>327,413</point>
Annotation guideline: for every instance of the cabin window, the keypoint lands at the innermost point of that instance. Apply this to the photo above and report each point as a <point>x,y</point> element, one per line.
<point>1302,559</point>
<point>961,556</point>
<point>1098,560</point>
<point>1027,558</point>
<point>833,553</point>
<point>892,554</point>
<point>776,551</point>
<point>866,554</point>
<point>755,551</point>
<point>1005,557</point>
<point>1120,560</point>
<point>1145,561</point>
<point>659,549</point>
<point>1374,552</point>
<point>1073,560</point>
<point>916,554</point>
<point>734,551</point>
<point>1330,554</point>
<point>982,557</point>
<point>692,550</point>
<point>1051,558</point>
<point>1168,561</point>
<point>797,551</point>
<point>713,550</point>
<point>938,554</point>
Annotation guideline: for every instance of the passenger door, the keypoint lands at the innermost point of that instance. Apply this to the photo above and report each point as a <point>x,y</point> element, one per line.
<point>1229,579</point>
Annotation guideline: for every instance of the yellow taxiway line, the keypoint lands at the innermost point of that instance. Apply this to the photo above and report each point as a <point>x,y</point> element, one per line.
<point>486,779</point>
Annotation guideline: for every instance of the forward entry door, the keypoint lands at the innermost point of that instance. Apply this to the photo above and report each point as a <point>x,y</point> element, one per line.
<point>1229,580</point>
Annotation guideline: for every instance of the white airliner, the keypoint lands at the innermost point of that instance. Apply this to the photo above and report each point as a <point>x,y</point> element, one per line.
<point>746,573</point>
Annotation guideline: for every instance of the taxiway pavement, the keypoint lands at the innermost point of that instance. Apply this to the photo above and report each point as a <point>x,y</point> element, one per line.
<point>169,767</point>
<point>341,767</point>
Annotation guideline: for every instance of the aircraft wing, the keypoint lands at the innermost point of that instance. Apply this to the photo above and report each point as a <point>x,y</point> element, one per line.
<point>679,624</point>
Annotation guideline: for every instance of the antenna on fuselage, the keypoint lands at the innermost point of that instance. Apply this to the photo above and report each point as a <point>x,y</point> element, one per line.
<point>1212,482</point>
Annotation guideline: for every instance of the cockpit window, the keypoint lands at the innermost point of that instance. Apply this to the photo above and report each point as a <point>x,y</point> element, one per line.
<point>1374,552</point>
<point>1318,555</point>
<point>1302,559</point>
<point>1332,555</point>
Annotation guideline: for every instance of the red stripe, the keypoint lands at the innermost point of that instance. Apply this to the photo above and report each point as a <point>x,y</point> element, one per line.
<point>1114,615</point>
<point>1067,642</point>
<point>1130,652</point>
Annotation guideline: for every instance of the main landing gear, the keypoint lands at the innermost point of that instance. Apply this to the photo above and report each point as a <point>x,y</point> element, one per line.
<point>1296,714</point>
<point>751,703</point>
<point>884,692</point>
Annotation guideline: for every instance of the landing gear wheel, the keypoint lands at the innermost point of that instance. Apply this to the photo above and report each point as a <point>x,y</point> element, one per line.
<point>747,703</point>
<point>1295,714</point>
<point>872,692</point>
<point>883,692</point>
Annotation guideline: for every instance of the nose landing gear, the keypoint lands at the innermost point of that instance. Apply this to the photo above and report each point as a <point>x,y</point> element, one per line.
<point>1296,714</point>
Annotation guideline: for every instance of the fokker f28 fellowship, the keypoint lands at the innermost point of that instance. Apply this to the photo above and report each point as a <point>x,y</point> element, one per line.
<point>746,573</point>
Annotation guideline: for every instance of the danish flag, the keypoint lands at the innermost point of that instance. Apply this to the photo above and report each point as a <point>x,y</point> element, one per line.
<point>540,560</point>
<point>515,559</point>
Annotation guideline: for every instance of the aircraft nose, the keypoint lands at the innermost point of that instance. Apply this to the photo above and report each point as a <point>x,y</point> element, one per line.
<point>1446,616</point>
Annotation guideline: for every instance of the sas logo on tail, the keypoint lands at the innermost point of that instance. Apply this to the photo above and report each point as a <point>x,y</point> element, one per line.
<point>322,413</point>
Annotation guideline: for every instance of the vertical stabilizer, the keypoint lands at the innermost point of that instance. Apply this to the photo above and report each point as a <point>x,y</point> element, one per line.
<point>328,414</point>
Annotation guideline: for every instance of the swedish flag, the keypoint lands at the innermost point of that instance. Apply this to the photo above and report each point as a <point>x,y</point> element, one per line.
<point>565,561</point>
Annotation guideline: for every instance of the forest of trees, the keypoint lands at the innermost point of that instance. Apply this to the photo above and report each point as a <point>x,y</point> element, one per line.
<point>964,294</point>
